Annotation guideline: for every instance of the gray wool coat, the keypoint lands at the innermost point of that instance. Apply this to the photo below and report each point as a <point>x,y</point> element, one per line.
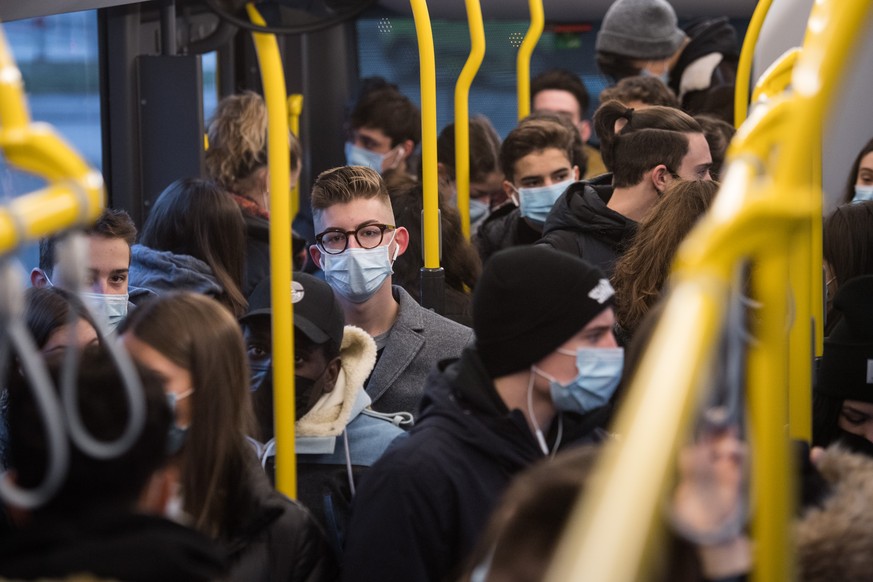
<point>419,339</point>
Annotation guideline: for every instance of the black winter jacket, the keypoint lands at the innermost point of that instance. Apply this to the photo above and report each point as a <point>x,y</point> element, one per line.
<point>278,538</point>
<point>421,508</point>
<point>502,229</point>
<point>112,545</point>
<point>581,224</point>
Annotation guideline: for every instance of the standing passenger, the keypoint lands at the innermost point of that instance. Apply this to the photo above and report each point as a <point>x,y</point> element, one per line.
<point>537,161</point>
<point>197,348</point>
<point>109,255</point>
<point>651,149</point>
<point>544,345</point>
<point>562,91</point>
<point>385,129</point>
<point>237,160</point>
<point>193,240</point>
<point>356,245</point>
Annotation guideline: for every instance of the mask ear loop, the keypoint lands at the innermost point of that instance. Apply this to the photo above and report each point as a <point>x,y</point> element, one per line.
<point>538,432</point>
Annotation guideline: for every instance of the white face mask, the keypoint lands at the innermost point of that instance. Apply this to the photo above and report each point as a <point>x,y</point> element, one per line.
<point>111,308</point>
<point>356,273</point>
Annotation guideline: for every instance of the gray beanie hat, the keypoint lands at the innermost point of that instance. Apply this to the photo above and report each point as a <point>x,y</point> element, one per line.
<point>640,29</point>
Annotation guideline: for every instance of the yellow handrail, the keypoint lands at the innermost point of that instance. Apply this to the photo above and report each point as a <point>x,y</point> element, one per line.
<point>295,109</point>
<point>777,77</point>
<point>763,209</point>
<point>525,51</point>
<point>462,111</point>
<point>75,191</point>
<point>273,77</point>
<point>430,180</point>
<point>747,55</point>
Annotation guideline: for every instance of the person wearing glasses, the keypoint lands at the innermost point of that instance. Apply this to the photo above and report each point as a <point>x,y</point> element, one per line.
<point>356,246</point>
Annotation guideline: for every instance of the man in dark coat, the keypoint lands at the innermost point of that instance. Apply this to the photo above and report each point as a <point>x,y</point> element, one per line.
<point>544,345</point>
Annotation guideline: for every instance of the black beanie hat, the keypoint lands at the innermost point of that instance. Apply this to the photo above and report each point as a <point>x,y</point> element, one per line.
<point>530,300</point>
<point>846,370</point>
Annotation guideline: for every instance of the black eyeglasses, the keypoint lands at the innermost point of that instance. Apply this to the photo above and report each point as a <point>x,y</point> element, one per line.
<point>333,241</point>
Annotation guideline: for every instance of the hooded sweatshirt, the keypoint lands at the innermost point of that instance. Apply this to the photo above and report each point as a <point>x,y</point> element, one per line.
<point>581,224</point>
<point>339,438</point>
<point>163,271</point>
<point>421,509</point>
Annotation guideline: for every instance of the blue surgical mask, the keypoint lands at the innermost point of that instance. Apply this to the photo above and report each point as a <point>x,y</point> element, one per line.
<point>112,308</point>
<point>177,434</point>
<point>863,193</point>
<point>258,373</point>
<point>356,273</point>
<point>357,156</point>
<point>598,374</point>
<point>478,210</point>
<point>535,203</point>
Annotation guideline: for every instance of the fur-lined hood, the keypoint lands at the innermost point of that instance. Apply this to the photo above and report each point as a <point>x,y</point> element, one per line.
<point>337,408</point>
<point>835,540</point>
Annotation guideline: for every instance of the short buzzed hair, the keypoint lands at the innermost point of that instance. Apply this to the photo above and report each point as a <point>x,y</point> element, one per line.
<point>346,183</point>
<point>110,224</point>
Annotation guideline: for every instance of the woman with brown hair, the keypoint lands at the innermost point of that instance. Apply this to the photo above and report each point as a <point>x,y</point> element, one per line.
<point>197,348</point>
<point>192,240</point>
<point>847,237</point>
<point>642,271</point>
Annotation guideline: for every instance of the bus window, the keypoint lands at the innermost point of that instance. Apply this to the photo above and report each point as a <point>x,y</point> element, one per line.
<point>58,59</point>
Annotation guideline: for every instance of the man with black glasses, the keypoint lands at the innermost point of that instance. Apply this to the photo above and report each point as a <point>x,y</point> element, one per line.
<point>356,246</point>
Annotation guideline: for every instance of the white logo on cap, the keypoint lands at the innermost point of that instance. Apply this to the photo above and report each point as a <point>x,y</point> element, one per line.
<point>870,371</point>
<point>297,292</point>
<point>602,291</point>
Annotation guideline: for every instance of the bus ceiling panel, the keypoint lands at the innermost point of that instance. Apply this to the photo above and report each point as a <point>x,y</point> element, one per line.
<point>32,8</point>
<point>571,10</point>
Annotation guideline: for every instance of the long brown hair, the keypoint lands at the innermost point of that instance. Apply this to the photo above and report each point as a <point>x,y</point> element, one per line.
<point>198,218</point>
<point>847,237</point>
<point>198,334</point>
<point>641,272</point>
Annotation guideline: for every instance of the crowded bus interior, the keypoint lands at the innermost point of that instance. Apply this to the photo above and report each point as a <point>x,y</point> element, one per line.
<point>459,290</point>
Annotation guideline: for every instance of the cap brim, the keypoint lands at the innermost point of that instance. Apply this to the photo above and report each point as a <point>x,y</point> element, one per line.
<point>306,327</point>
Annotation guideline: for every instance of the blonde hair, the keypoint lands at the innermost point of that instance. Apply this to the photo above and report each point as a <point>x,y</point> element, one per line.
<point>237,135</point>
<point>346,183</point>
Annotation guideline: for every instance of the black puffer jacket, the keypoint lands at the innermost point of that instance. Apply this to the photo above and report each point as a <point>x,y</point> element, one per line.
<point>581,224</point>
<point>502,229</point>
<point>278,538</point>
<point>421,508</point>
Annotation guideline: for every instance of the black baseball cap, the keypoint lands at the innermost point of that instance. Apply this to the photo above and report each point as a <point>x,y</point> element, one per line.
<point>317,313</point>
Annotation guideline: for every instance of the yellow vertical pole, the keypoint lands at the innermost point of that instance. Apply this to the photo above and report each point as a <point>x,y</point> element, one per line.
<point>295,109</point>
<point>744,67</point>
<point>462,111</point>
<point>525,51</point>
<point>273,77</point>
<point>431,226</point>
<point>768,409</point>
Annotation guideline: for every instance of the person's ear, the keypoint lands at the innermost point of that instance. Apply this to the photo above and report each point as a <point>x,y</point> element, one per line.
<point>576,175</point>
<point>509,190</point>
<point>408,147</point>
<point>38,279</point>
<point>332,374</point>
<point>661,178</point>
<point>401,239</point>
<point>315,253</point>
<point>585,130</point>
